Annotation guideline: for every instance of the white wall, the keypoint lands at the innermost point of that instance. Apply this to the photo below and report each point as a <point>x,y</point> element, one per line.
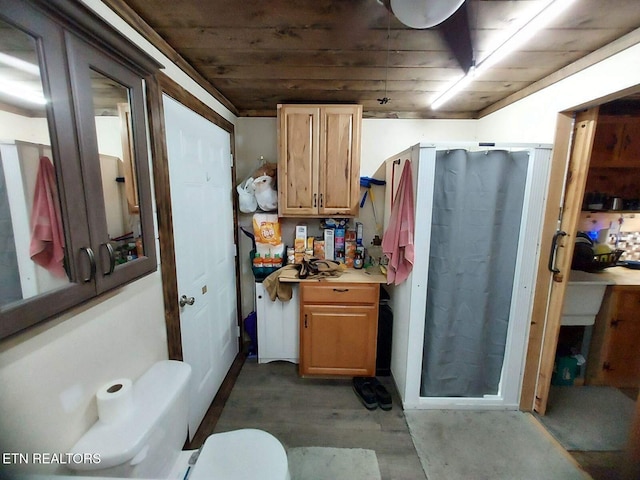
<point>50,373</point>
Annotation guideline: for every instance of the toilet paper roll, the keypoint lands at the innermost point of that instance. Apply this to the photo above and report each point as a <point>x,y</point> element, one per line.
<point>115,400</point>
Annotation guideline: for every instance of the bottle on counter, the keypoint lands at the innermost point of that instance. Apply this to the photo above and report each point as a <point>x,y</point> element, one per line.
<point>357,261</point>
<point>266,262</point>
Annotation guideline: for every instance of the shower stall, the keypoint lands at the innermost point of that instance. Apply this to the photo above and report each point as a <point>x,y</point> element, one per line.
<point>461,319</point>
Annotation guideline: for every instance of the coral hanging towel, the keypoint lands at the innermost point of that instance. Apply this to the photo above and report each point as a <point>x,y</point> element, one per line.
<point>397,242</point>
<point>47,238</point>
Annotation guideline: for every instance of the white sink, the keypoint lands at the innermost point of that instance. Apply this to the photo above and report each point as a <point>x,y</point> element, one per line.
<point>583,298</point>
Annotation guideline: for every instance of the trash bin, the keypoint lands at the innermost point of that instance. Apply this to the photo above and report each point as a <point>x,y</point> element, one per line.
<point>251,329</point>
<point>565,371</point>
<point>385,333</point>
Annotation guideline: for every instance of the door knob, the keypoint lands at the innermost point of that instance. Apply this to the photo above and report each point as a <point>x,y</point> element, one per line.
<point>184,300</point>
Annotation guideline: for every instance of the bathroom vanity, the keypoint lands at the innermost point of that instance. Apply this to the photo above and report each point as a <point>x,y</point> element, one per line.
<point>329,327</point>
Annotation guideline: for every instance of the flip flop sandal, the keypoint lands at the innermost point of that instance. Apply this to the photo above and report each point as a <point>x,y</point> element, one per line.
<point>383,397</point>
<point>364,391</point>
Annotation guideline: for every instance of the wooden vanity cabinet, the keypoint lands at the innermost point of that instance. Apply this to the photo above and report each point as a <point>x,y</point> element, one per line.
<point>338,328</point>
<point>614,356</point>
<point>318,160</point>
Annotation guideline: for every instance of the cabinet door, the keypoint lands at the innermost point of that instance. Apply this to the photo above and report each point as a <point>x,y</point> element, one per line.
<point>621,366</point>
<point>298,143</point>
<point>338,340</point>
<point>124,244</point>
<point>278,327</point>
<point>629,154</point>
<point>606,144</point>
<point>340,160</point>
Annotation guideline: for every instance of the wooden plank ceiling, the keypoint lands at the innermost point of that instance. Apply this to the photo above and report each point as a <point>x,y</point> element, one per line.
<point>259,53</point>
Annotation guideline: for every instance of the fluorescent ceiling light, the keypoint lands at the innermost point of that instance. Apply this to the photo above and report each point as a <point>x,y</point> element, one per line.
<point>19,90</point>
<point>20,64</point>
<point>549,11</point>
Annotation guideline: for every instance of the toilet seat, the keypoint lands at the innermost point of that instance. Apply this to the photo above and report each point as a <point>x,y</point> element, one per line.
<point>240,455</point>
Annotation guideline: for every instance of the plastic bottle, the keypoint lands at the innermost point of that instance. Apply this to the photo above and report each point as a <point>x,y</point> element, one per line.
<point>267,263</point>
<point>257,261</point>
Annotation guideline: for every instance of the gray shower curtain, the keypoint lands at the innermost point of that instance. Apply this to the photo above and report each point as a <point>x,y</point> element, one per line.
<point>477,210</point>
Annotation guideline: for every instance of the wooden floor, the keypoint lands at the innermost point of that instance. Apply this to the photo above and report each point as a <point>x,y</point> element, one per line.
<point>318,412</point>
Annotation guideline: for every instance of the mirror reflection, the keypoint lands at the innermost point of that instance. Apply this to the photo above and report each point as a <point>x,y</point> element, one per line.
<point>117,166</point>
<point>32,245</point>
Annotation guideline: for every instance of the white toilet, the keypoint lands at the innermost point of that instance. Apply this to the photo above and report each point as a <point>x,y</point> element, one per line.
<point>148,443</point>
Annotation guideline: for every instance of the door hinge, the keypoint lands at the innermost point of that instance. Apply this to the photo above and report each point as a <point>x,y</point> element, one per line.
<point>235,250</point>
<point>238,331</point>
<point>231,159</point>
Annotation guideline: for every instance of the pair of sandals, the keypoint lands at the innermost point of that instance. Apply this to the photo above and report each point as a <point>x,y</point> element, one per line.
<point>372,393</point>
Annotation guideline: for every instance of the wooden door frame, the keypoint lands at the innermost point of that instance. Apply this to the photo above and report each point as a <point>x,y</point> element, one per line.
<point>572,151</point>
<point>156,87</point>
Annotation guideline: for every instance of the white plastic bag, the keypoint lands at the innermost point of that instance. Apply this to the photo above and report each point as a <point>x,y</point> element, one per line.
<point>265,193</point>
<point>246,197</point>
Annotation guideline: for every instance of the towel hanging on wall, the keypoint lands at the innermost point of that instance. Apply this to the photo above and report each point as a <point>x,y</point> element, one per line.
<point>47,237</point>
<point>397,242</point>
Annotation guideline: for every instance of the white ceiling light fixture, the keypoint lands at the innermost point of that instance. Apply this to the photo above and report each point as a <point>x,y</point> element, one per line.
<point>21,91</point>
<point>549,10</point>
<point>424,13</point>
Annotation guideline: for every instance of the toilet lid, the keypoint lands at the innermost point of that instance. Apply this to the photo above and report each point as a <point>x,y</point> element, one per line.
<point>240,455</point>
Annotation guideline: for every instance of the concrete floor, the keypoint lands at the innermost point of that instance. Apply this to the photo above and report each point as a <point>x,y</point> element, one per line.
<point>309,412</point>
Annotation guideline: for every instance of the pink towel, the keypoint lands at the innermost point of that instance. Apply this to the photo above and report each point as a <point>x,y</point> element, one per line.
<point>47,237</point>
<point>397,242</point>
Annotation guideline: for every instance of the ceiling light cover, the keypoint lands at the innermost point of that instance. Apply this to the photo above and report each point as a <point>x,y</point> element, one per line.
<point>424,13</point>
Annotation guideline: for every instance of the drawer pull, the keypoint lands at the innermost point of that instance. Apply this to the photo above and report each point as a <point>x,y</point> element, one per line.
<point>305,321</point>
<point>340,289</point>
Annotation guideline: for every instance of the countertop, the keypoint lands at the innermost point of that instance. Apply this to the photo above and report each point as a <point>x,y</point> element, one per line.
<point>609,276</point>
<point>349,275</point>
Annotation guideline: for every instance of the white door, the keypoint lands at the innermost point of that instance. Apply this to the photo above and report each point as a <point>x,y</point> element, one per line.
<point>199,156</point>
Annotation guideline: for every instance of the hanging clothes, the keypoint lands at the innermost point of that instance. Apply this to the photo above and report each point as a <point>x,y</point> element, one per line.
<point>47,236</point>
<point>397,242</point>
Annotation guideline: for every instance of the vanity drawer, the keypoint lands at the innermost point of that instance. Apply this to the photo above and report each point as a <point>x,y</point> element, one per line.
<point>340,293</point>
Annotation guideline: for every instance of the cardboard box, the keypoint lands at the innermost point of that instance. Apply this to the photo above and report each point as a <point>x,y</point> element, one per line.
<point>329,244</point>
<point>300,241</point>
<point>318,249</point>
<point>339,241</point>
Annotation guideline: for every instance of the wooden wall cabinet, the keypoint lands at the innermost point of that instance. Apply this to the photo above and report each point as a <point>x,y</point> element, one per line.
<point>318,160</point>
<point>338,329</point>
<point>613,356</point>
<point>617,142</point>
<point>615,157</point>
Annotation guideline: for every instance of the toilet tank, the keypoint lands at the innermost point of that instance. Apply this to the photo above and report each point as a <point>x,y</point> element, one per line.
<point>146,443</point>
